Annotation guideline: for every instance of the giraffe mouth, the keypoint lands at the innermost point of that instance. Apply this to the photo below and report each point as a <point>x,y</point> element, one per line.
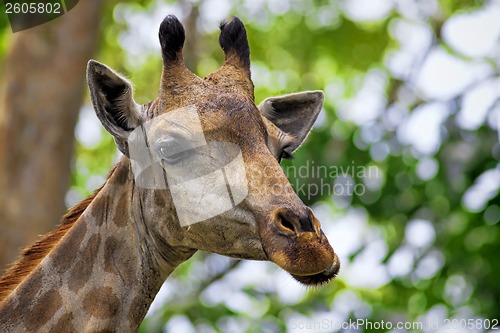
<point>322,277</point>
<point>297,245</point>
<point>305,266</point>
<point>307,257</point>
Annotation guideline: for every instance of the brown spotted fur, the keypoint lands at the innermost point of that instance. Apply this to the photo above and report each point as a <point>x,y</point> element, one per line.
<point>31,256</point>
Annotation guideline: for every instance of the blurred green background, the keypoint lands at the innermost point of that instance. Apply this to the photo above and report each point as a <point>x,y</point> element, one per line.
<point>408,134</point>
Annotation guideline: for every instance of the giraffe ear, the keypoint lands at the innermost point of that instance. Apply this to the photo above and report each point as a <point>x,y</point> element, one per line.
<point>111,95</point>
<point>294,114</point>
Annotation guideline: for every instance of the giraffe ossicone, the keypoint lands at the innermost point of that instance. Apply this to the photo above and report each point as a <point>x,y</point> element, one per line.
<point>200,171</point>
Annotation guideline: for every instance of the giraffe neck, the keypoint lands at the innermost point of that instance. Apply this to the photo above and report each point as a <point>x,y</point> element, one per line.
<point>102,275</point>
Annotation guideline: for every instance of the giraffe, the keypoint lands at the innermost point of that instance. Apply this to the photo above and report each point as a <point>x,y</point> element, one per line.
<point>101,268</point>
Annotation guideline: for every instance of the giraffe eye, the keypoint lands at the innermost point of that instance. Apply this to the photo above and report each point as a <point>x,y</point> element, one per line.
<point>285,156</point>
<point>172,153</point>
<point>167,156</point>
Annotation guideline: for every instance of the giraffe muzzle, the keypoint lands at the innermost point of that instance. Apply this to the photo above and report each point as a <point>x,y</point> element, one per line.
<point>295,242</point>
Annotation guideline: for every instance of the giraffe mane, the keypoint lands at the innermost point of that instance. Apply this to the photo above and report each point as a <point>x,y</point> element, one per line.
<point>34,254</point>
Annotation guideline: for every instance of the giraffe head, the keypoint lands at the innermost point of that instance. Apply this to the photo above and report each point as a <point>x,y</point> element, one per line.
<point>205,158</point>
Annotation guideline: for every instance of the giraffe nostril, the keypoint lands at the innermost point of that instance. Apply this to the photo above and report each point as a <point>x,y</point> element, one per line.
<point>286,224</point>
<point>292,222</point>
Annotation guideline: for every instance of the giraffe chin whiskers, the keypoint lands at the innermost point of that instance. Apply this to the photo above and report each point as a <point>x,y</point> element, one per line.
<point>322,277</point>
